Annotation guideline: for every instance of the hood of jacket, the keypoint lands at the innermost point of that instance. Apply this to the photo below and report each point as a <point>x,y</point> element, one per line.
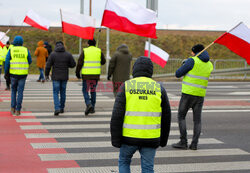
<point>143,67</point>
<point>123,48</point>
<point>204,56</point>
<point>40,43</point>
<point>59,47</point>
<point>18,41</point>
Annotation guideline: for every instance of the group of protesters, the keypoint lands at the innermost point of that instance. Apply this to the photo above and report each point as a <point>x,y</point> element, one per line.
<point>140,120</point>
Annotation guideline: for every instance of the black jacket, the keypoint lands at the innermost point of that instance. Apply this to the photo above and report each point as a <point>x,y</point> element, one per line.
<point>142,67</point>
<point>60,61</point>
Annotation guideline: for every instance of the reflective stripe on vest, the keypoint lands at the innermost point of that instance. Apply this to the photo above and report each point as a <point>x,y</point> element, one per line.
<point>143,109</point>
<point>19,60</point>
<point>196,80</point>
<point>92,61</point>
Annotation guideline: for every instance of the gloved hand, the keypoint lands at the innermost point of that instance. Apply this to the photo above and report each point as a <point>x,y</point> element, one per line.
<point>183,62</point>
<point>78,76</point>
<point>47,78</point>
<point>108,77</point>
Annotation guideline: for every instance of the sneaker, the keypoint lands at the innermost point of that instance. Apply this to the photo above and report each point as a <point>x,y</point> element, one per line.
<point>193,146</point>
<point>92,110</point>
<point>13,111</point>
<point>56,113</point>
<point>43,81</point>
<point>180,145</point>
<point>18,113</point>
<point>61,110</point>
<point>38,80</point>
<point>88,109</point>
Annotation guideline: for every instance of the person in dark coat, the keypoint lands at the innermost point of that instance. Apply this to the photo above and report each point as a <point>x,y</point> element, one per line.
<point>49,49</point>
<point>142,70</point>
<point>119,67</point>
<point>60,61</point>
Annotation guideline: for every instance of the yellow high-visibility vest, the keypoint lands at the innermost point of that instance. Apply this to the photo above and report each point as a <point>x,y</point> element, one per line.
<point>6,50</point>
<point>2,58</point>
<point>143,109</point>
<point>196,80</point>
<point>19,60</point>
<point>92,61</point>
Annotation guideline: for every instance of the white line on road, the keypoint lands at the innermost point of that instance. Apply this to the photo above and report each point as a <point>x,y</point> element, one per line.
<point>159,154</point>
<point>106,144</point>
<point>163,168</point>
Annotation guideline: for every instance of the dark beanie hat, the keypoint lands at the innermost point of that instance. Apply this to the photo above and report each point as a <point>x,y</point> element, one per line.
<point>143,66</point>
<point>92,42</point>
<point>197,48</point>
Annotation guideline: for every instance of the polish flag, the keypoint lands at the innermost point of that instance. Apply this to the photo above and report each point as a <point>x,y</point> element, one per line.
<point>3,39</point>
<point>79,25</point>
<point>36,21</point>
<point>157,55</point>
<point>129,17</point>
<point>237,40</point>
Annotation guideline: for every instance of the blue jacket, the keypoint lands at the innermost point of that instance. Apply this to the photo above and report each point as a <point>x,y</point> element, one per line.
<point>18,41</point>
<point>189,64</point>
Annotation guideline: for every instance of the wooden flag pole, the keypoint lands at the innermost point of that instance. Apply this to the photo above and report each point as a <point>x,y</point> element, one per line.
<point>205,49</point>
<point>62,30</point>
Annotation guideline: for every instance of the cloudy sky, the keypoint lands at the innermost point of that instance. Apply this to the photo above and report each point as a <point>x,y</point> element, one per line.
<point>172,14</point>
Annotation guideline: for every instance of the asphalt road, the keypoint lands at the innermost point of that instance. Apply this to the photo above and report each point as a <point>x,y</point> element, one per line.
<point>224,143</point>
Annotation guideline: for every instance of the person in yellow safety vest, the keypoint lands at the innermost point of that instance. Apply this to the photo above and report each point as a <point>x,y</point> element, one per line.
<point>1,61</point>
<point>6,49</point>
<point>17,64</point>
<point>89,65</point>
<point>141,117</point>
<point>196,71</point>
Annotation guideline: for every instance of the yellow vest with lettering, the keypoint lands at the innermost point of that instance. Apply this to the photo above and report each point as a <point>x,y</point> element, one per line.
<point>196,80</point>
<point>2,58</point>
<point>143,109</point>
<point>92,61</point>
<point>19,60</point>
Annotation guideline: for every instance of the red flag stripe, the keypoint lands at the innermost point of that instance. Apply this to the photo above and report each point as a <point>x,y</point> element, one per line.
<point>34,24</point>
<point>113,21</point>
<point>235,44</point>
<point>76,30</point>
<point>156,59</point>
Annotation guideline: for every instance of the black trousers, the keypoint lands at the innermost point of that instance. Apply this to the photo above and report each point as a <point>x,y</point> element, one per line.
<point>196,103</point>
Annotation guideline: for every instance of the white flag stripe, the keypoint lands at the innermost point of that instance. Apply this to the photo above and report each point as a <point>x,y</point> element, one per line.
<point>159,154</point>
<point>106,144</point>
<point>78,19</point>
<point>163,168</point>
<point>71,126</point>
<point>86,134</point>
<point>127,9</point>
<point>38,19</point>
<point>158,51</point>
<point>242,31</point>
<point>4,38</point>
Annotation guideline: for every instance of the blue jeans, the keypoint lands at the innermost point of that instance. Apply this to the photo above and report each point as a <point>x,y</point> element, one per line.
<point>147,158</point>
<point>196,103</point>
<point>17,87</point>
<point>41,77</point>
<point>86,86</point>
<point>59,87</point>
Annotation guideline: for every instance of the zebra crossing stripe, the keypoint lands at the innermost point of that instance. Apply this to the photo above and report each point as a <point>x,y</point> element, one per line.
<point>85,134</point>
<point>163,168</point>
<point>51,98</point>
<point>71,126</point>
<point>159,154</point>
<point>68,100</point>
<point>64,114</point>
<point>105,144</point>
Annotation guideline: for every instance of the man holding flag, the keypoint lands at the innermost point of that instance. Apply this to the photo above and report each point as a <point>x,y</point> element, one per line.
<point>195,71</point>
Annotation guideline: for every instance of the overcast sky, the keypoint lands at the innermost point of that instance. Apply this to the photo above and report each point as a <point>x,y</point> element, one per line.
<point>172,14</point>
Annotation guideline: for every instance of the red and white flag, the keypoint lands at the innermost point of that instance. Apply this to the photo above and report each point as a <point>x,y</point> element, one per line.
<point>3,39</point>
<point>36,21</point>
<point>237,40</point>
<point>79,25</point>
<point>129,17</point>
<point>157,55</point>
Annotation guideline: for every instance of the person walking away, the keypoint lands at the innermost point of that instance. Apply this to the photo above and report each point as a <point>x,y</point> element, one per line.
<point>195,71</point>
<point>89,64</point>
<point>6,49</point>
<point>41,54</point>
<point>49,49</point>
<point>17,64</point>
<point>141,118</point>
<point>60,61</point>
<point>119,67</point>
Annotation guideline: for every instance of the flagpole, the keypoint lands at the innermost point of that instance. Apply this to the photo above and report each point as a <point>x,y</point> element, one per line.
<point>62,29</point>
<point>205,49</point>
<point>100,29</point>
<point>5,34</point>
